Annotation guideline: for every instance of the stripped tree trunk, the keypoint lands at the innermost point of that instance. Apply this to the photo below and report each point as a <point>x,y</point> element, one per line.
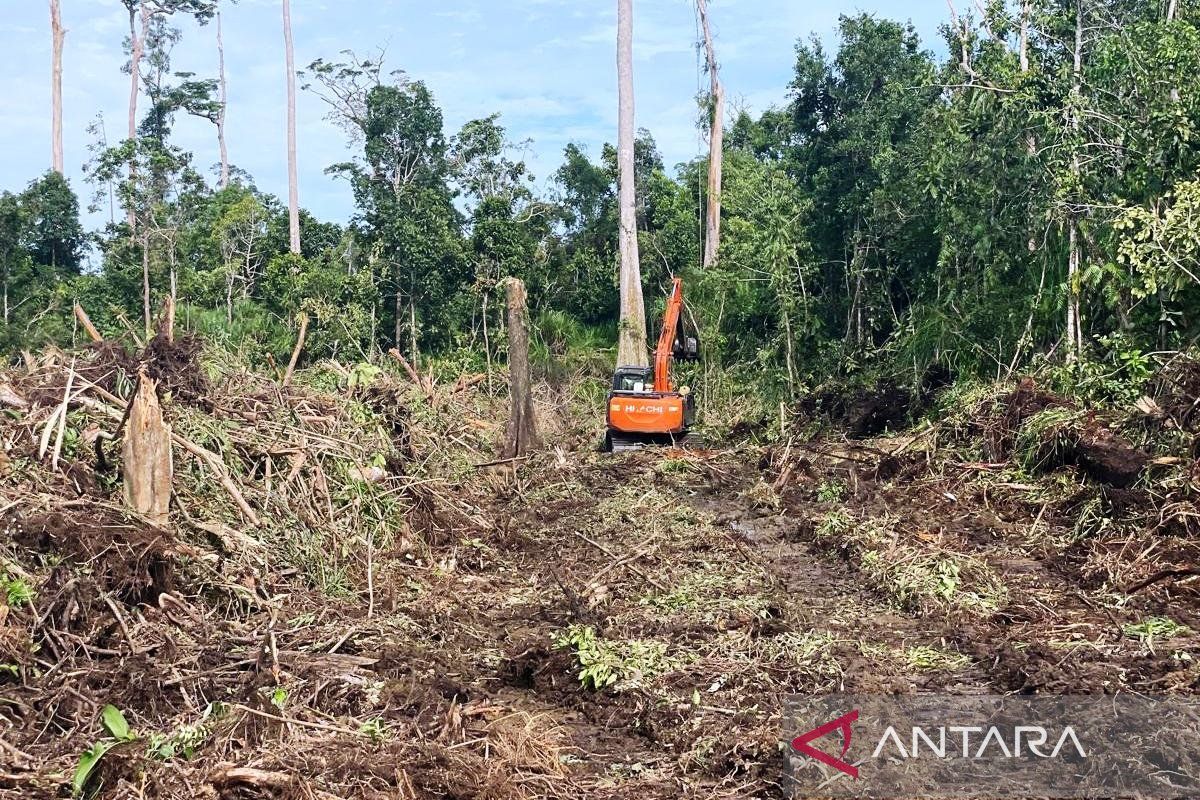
<point>146,455</point>
<point>631,342</point>
<point>146,283</point>
<point>521,435</point>
<point>716,144</point>
<point>293,178</point>
<point>224,104</point>
<point>137,47</point>
<point>1074,257</point>
<point>1026,12</point>
<point>56,134</point>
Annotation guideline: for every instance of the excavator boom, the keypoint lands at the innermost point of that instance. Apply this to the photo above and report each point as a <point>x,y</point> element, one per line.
<point>666,337</point>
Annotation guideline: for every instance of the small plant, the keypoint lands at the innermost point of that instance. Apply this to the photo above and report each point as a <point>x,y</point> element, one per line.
<point>834,524</point>
<point>1149,629</point>
<point>831,492</point>
<point>675,466</point>
<point>185,740</point>
<point>17,592</point>
<point>374,729</point>
<point>604,663</point>
<point>119,732</point>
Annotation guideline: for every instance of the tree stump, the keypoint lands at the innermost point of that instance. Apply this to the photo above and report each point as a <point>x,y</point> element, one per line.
<point>521,435</point>
<point>146,455</point>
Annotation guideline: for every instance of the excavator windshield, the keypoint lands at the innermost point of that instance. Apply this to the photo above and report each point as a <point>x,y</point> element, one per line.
<point>633,379</point>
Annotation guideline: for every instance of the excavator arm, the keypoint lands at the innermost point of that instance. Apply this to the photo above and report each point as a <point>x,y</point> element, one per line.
<point>666,339</point>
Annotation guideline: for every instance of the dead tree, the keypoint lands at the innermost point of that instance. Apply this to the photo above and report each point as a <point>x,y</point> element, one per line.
<point>293,179</point>
<point>56,135</point>
<point>631,337</point>
<point>224,87</point>
<point>521,435</point>
<point>146,455</point>
<point>716,143</point>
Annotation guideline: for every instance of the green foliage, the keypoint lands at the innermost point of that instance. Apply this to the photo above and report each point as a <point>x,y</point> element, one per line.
<point>1151,628</point>
<point>897,214</point>
<point>1047,438</point>
<point>17,592</point>
<point>604,663</point>
<point>118,732</point>
<point>831,491</point>
<point>1118,375</point>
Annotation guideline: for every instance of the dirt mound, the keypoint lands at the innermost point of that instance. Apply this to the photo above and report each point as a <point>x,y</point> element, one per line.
<point>1045,432</point>
<point>861,411</point>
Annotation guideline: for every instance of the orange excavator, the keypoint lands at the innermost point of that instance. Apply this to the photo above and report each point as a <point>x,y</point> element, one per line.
<point>644,407</point>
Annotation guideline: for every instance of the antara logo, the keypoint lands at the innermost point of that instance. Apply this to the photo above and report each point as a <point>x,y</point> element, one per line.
<point>801,743</point>
<point>947,741</point>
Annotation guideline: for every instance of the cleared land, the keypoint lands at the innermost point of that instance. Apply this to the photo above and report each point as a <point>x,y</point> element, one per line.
<point>403,623</point>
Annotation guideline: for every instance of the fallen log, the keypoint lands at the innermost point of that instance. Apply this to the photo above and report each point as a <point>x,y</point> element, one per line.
<point>86,322</point>
<point>413,375</point>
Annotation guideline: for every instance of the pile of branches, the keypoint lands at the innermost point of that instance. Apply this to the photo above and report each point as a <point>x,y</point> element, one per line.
<point>247,620</point>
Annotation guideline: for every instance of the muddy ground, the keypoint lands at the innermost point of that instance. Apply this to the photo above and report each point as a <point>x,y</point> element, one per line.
<point>585,625</point>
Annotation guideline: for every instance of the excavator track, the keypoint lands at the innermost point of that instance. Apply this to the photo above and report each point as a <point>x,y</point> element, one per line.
<point>618,442</point>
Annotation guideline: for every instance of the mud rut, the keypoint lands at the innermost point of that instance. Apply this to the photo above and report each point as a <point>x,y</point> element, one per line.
<point>797,613</point>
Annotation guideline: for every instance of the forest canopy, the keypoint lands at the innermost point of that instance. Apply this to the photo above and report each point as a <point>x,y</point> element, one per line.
<point>1032,194</point>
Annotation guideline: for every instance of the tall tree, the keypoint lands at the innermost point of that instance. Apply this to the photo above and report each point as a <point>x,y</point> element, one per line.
<point>142,14</point>
<point>58,33</point>
<point>716,142</point>
<point>224,101</point>
<point>631,342</point>
<point>293,177</point>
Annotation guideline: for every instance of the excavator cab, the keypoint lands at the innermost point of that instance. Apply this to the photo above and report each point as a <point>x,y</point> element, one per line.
<point>633,379</point>
<point>644,405</point>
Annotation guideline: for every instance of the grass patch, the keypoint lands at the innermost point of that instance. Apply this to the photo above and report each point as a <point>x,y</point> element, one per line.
<point>924,657</point>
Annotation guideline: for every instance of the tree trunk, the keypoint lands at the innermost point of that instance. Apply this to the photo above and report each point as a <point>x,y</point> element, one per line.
<point>56,129</point>
<point>146,455</point>
<point>521,435</point>
<point>293,178</point>
<point>137,47</point>
<point>1074,257</point>
<point>631,346</point>
<point>1172,7</point>
<point>716,145</point>
<point>1026,12</point>
<point>224,104</point>
<point>146,284</point>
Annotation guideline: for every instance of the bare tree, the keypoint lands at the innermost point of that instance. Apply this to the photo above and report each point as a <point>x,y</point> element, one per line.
<point>1074,256</point>
<point>137,47</point>
<point>58,33</point>
<point>631,343</point>
<point>293,178</point>
<point>224,100</point>
<point>716,143</point>
<point>1023,47</point>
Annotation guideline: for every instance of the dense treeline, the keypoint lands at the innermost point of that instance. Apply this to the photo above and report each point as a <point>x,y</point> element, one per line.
<point>1035,193</point>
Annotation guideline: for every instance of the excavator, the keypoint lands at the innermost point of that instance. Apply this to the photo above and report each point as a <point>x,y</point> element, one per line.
<point>644,407</point>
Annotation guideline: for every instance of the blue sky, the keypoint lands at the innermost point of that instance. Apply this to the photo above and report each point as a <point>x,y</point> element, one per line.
<point>546,65</point>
